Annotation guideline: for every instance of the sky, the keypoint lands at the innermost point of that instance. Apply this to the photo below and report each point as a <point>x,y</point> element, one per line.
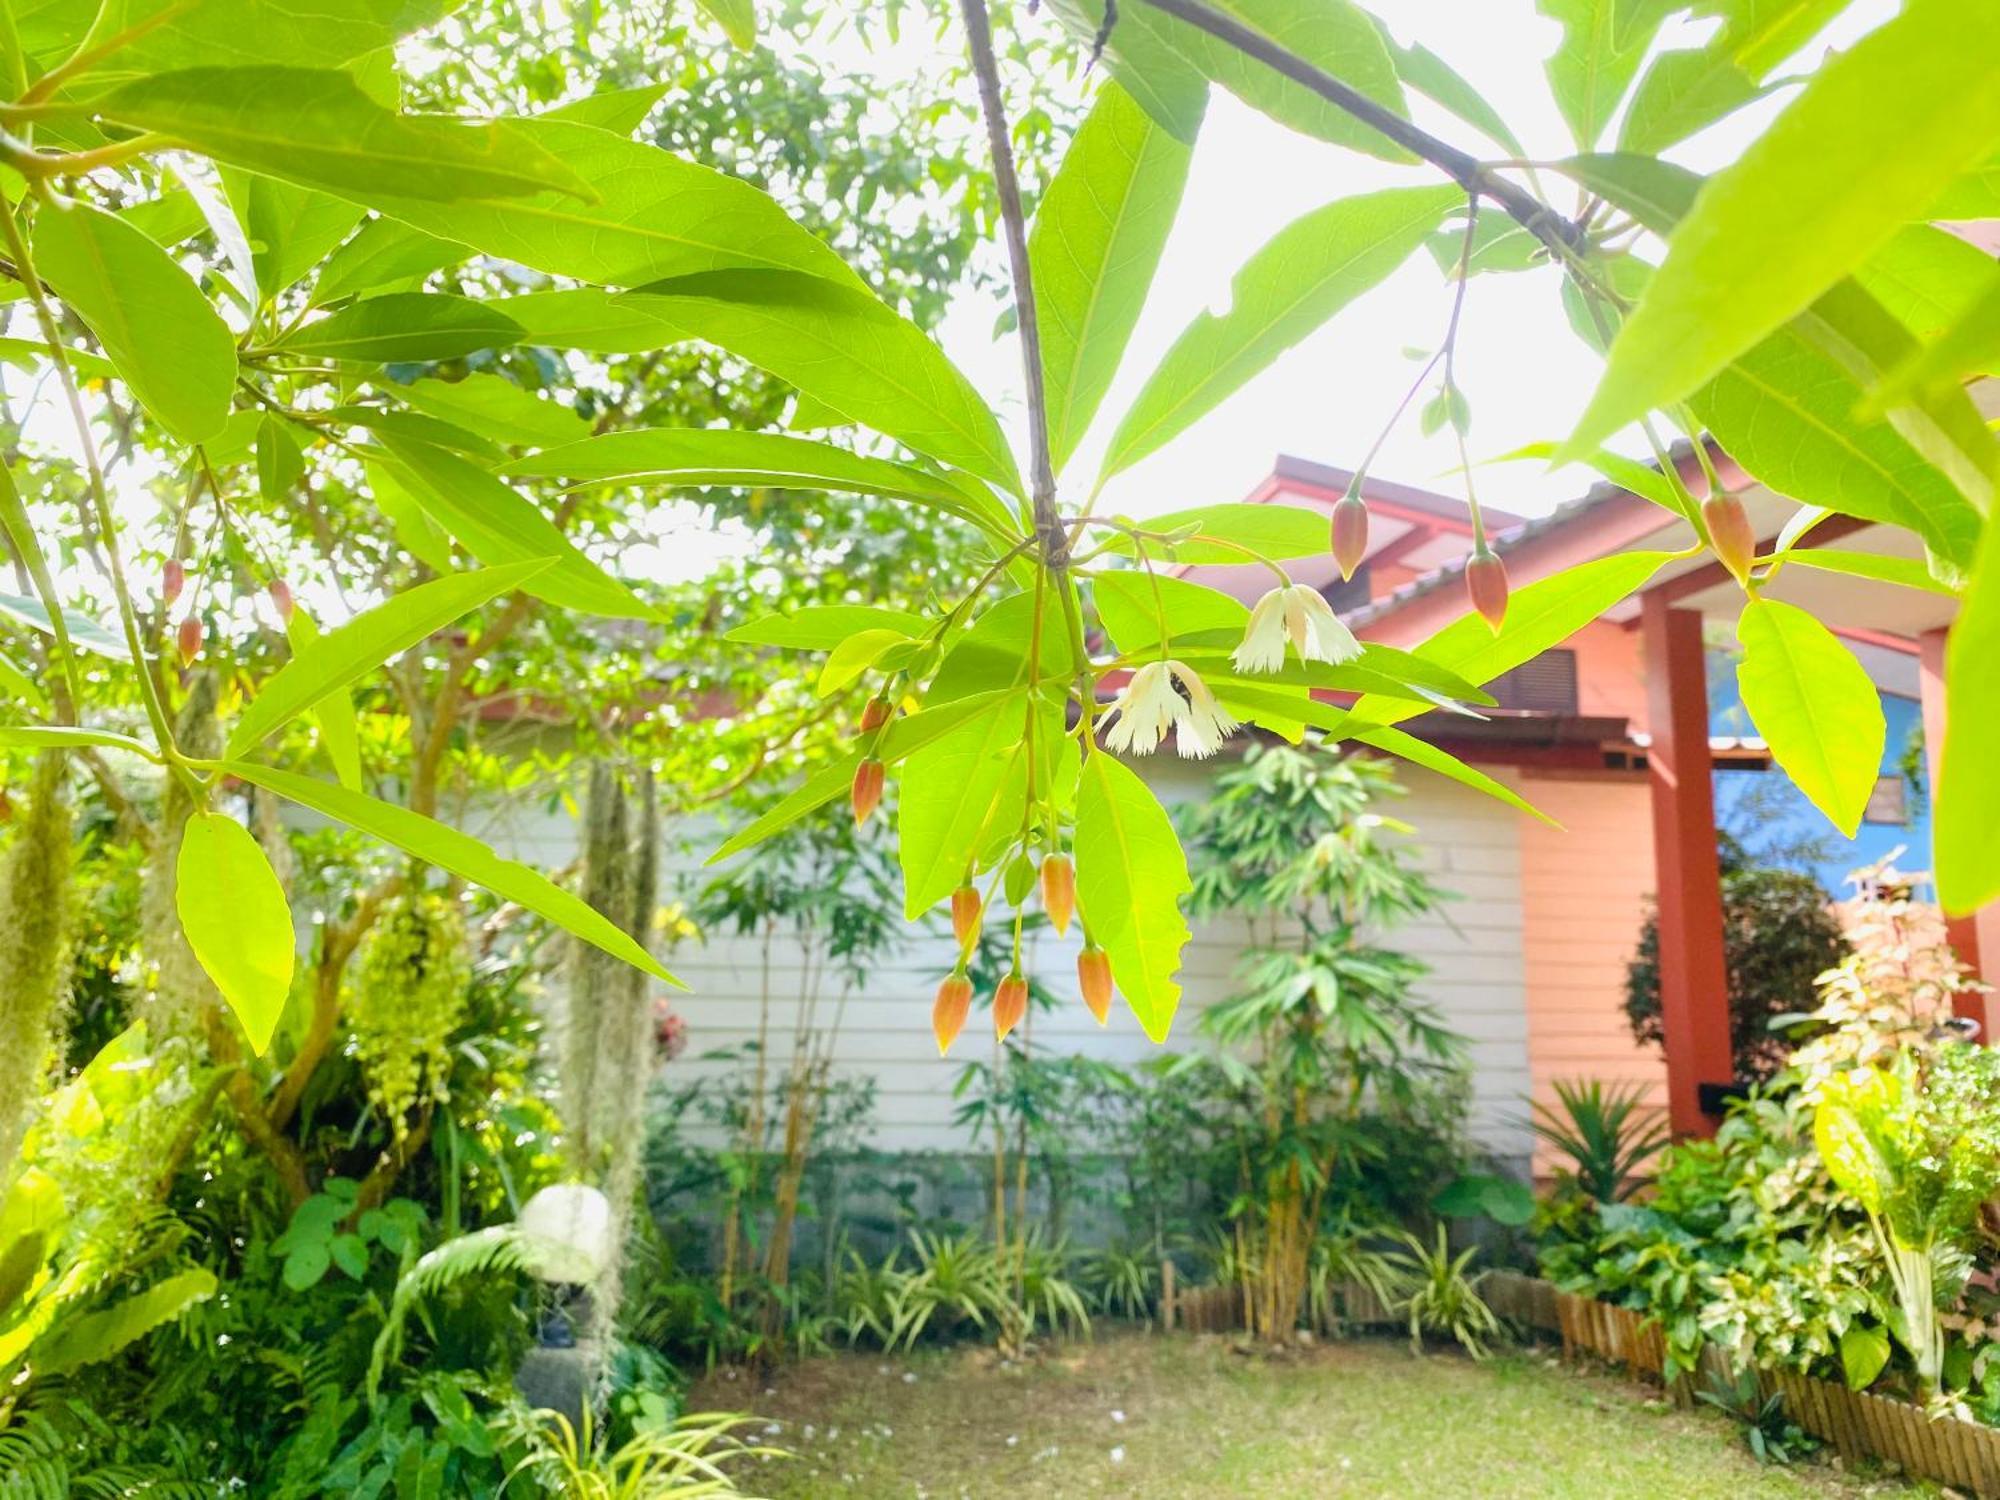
<point>1525,375</point>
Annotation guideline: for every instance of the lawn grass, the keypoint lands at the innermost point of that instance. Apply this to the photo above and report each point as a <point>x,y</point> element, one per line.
<point>1177,1418</point>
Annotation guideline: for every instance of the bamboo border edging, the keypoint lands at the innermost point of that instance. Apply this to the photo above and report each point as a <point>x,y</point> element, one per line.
<point>1855,1424</point>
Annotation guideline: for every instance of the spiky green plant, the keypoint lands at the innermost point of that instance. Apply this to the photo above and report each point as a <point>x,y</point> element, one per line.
<point>682,1462</point>
<point>1608,1131</point>
<point>1439,1297</point>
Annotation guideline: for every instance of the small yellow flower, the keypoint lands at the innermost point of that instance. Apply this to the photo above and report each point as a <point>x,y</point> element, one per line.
<point>1165,695</point>
<point>1298,613</point>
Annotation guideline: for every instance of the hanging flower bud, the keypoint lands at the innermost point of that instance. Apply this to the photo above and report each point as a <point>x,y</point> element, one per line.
<point>949,1010</point>
<point>281,596</point>
<point>1059,890</point>
<point>965,909</point>
<point>867,793</point>
<point>1486,586</point>
<point>1350,533</point>
<point>189,639</point>
<point>875,715</point>
<point>173,578</point>
<point>1093,976</point>
<point>1729,533</point>
<point>1010,1004</point>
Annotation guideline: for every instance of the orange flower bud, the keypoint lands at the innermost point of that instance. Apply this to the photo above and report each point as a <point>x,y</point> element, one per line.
<point>1059,890</point>
<point>281,596</point>
<point>1350,533</point>
<point>948,1012</point>
<point>1486,586</point>
<point>189,637</point>
<point>875,715</point>
<point>965,909</point>
<point>1093,974</point>
<point>1010,1004</point>
<point>173,578</point>
<point>1729,533</point>
<point>867,793</point>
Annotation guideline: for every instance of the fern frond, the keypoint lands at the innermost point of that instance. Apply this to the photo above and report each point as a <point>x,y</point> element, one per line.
<point>477,1254</point>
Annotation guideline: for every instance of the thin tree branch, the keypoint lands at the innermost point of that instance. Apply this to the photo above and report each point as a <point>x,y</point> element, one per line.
<point>1543,222</point>
<point>979,38</point>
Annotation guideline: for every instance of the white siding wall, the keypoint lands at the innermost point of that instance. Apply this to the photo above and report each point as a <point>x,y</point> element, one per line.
<point>1469,843</point>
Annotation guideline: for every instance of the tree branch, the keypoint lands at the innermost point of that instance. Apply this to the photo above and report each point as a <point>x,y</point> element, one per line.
<point>1544,223</point>
<point>979,37</point>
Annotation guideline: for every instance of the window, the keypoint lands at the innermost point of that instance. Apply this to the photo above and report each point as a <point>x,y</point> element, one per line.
<point>1545,685</point>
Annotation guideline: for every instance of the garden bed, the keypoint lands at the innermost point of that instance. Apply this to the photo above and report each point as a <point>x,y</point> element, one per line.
<point>1856,1424</point>
<point>1179,1418</point>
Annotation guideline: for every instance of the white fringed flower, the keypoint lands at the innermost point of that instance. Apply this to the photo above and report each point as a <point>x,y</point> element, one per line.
<point>1165,695</point>
<point>565,1232</point>
<point>1300,614</point>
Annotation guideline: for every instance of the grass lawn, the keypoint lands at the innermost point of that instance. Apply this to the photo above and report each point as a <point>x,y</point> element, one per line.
<point>1167,1418</point>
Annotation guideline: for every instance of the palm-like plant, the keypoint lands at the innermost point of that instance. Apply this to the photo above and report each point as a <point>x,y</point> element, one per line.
<point>682,1462</point>
<point>1439,1297</point>
<point>1122,1281</point>
<point>956,1278</point>
<point>1609,1132</point>
<point>1045,1295</point>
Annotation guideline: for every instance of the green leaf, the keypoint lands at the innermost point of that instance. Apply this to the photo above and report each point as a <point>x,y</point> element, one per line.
<point>339,732</point>
<point>20,684</point>
<point>1095,244</point>
<point>737,18</point>
<point>1880,131</point>
<point>1309,271</point>
<point>1814,705</point>
<point>403,327</point>
<point>1422,753</point>
<point>1785,412</point>
<point>496,407</point>
<point>1427,73</point>
<point>237,921</point>
<point>1603,42</point>
<point>64,736</point>
<point>1131,605</point>
<point>903,738</point>
<point>854,656</point>
<point>847,349</point>
<point>620,111</point>
<point>1686,90</point>
<point>167,220</point>
<point>1844,1145</point>
<point>1542,615</point>
<point>1130,879</point>
<point>1969,346</point>
<point>458,853</point>
<point>382,252</point>
<point>158,329</point>
<point>316,127</point>
<point>82,1339</point>
<point>1864,1352</point>
<point>235,31</point>
<point>83,631</point>
<point>1907,572</point>
<point>587,319</point>
<point>955,795</point>
<point>655,215</point>
<point>344,656</point>
<point>416,532</point>
<point>280,464</point>
<point>1160,80</point>
<point>688,457</point>
<point>499,526</point>
<point>291,228</point>
<point>1222,533</point>
<point>1965,852</point>
<point>821,627</point>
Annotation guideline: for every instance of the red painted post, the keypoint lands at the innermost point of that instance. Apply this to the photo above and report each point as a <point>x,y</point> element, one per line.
<point>1694,974</point>
<point>1962,932</point>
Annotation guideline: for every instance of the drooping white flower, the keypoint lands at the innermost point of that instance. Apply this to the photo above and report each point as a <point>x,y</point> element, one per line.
<point>1165,695</point>
<point>1298,613</point>
<point>565,1233</point>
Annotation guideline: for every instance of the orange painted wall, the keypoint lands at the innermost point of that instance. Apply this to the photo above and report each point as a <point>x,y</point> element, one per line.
<point>1583,896</point>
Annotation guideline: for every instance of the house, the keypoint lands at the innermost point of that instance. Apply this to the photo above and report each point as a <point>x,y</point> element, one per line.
<point>1628,734</point>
